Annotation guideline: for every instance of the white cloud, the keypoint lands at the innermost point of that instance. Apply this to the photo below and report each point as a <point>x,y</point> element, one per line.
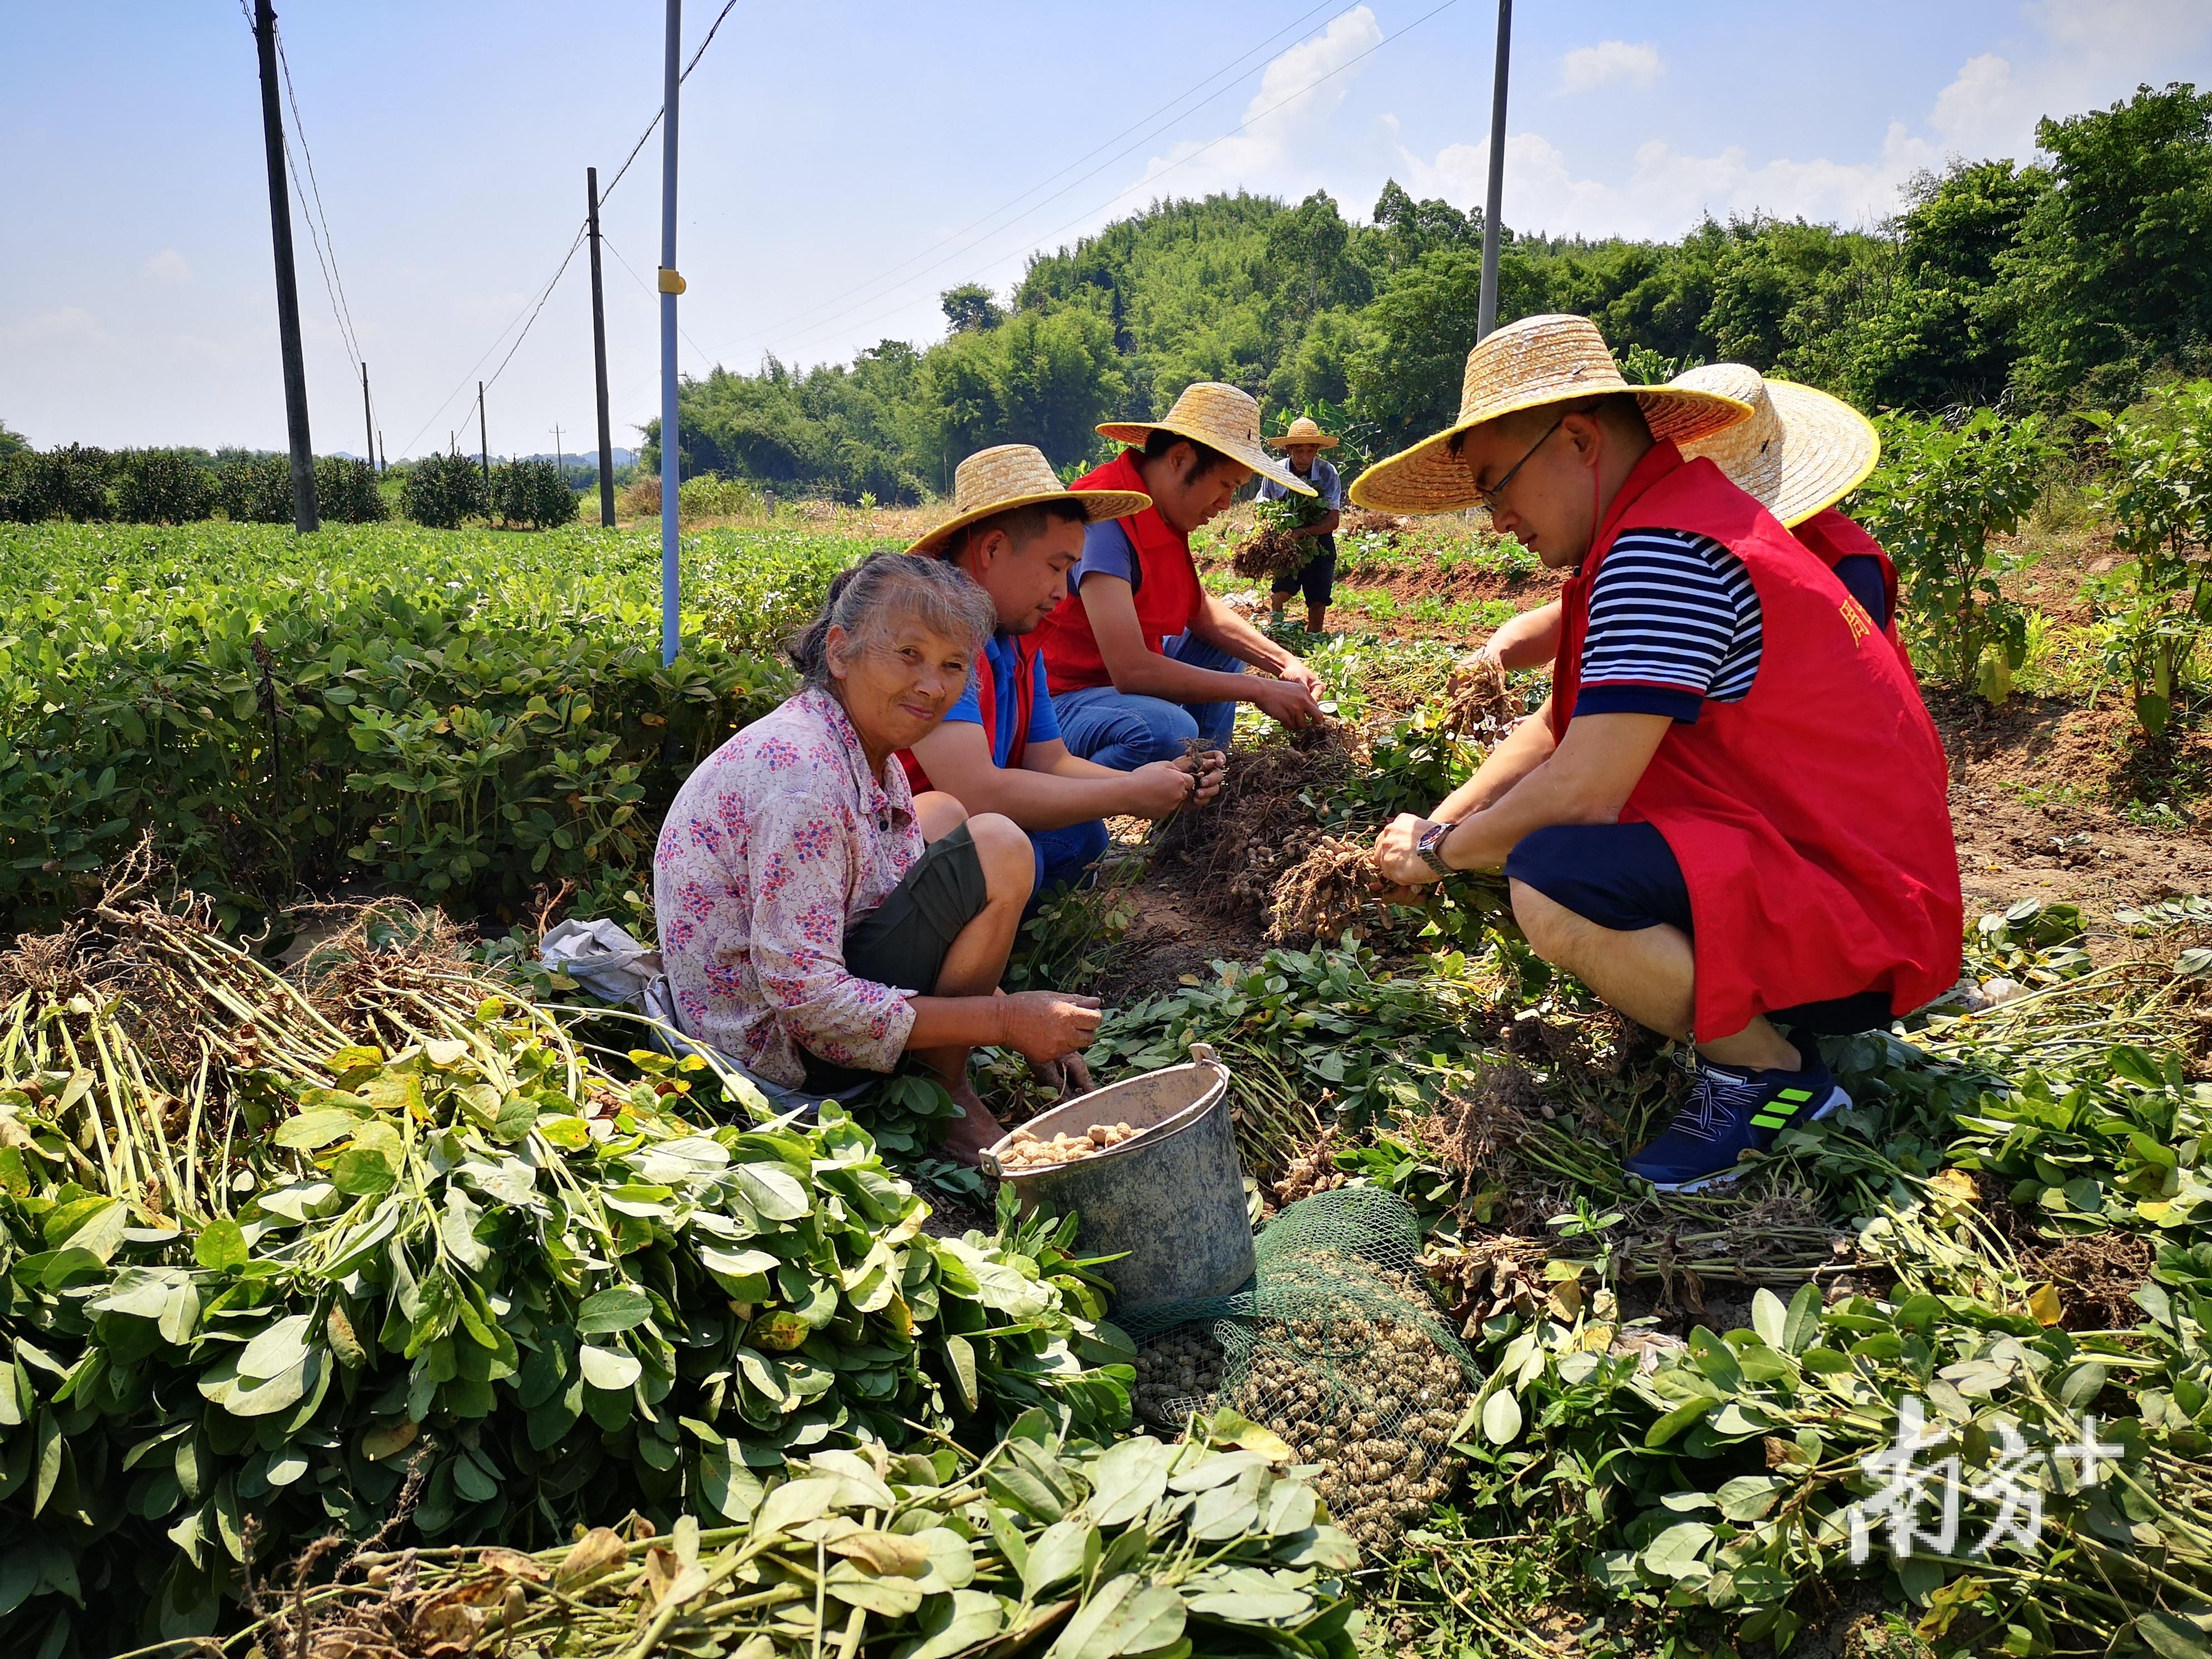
<point>1667,190</point>
<point>69,323</point>
<point>169,266</point>
<point>1587,67</point>
<point>1286,121</point>
<point>2091,52</point>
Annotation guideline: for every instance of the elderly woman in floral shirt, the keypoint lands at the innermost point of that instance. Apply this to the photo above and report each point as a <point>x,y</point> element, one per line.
<point>819,922</point>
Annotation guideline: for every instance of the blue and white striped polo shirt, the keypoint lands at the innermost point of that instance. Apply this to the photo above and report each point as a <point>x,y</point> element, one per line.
<point>1674,620</point>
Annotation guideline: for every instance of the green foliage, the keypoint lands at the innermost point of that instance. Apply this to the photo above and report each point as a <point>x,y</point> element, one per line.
<point>970,307</point>
<point>557,1294</point>
<point>1941,491</point>
<point>2109,269</point>
<point>64,482</point>
<point>709,497</point>
<point>254,489</point>
<point>758,588</point>
<point>163,486</point>
<point>1207,1547</point>
<point>2159,497</point>
<point>346,492</point>
<point>532,492</point>
<point>439,491</point>
<point>457,717</point>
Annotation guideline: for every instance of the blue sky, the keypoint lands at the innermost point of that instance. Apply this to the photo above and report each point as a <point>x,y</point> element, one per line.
<point>843,163</point>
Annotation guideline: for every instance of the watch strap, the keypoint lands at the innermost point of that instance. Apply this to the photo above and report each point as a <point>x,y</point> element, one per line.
<point>1431,846</point>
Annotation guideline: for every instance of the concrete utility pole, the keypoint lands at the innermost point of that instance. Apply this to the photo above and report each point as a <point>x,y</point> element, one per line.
<point>670,285</point>
<point>367,419</point>
<point>562,476</point>
<point>483,448</point>
<point>600,353</point>
<point>304,516</point>
<point>1485,317</point>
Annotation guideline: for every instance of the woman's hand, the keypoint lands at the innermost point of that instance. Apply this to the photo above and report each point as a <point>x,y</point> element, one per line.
<point>1397,856</point>
<point>1295,671</point>
<point>1043,1025</point>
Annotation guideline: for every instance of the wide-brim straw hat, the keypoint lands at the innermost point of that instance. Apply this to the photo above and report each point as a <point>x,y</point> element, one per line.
<point>1801,450</point>
<point>1222,418</point>
<point>1010,475</point>
<point>1530,364</point>
<point>1303,430</point>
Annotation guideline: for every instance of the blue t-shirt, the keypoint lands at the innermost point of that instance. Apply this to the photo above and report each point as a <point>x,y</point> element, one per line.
<point>1108,552</point>
<point>1004,660</point>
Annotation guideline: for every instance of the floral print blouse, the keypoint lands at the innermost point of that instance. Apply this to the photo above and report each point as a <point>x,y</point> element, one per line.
<point>773,847</point>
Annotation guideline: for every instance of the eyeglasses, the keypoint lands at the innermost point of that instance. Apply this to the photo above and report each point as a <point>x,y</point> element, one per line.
<point>1489,496</point>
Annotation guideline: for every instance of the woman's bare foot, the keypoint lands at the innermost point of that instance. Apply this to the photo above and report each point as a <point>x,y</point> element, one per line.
<point>973,1134</point>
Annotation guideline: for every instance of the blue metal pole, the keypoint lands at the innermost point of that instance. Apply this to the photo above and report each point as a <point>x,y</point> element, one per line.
<point>670,285</point>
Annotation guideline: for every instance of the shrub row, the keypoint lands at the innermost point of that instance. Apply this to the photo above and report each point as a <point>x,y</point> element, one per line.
<point>458,716</point>
<point>87,485</point>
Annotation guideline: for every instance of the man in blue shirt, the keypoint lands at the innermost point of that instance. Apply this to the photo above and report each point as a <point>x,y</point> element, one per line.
<point>1018,532</point>
<point>1302,445</point>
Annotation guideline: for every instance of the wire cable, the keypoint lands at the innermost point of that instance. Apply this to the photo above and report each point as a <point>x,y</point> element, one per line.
<point>331,279</point>
<point>653,126</point>
<point>583,231</point>
<point>836,324</point>
<point>1227,69</point>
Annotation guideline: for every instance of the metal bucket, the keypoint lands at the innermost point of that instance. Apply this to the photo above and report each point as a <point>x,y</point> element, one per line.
<point>1171,1196</point>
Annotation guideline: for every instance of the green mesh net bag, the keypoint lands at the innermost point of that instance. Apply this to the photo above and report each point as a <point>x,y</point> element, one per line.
<point>1337,1345</point>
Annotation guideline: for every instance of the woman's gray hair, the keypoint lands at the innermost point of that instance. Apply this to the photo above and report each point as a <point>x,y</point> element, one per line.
<point>871,598</point>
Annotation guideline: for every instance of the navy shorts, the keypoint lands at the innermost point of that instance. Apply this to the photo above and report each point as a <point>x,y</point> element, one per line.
<point>1315,578</point>
<point>1624,876</point>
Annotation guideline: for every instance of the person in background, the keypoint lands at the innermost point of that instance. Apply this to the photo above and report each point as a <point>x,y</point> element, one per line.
<point>1730,820</point>
<point>1143,660</point>
<point>1302,445</point>
<point>1800,453</point>
<point>820,924</point>
<point>1016,532</point>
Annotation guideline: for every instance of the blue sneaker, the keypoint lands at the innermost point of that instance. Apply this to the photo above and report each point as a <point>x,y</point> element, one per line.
<point>1731,1111</point>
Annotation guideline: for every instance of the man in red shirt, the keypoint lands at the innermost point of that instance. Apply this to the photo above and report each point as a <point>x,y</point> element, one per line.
<point>1729,821</point>
<point>1800,453</point>
<point>1143,660</point>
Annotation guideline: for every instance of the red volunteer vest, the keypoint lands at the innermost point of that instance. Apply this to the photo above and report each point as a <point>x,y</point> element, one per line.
<point>1810,819</point>
<point>1168,598</point>
<point>1833,538</point>
<point>986,704</point>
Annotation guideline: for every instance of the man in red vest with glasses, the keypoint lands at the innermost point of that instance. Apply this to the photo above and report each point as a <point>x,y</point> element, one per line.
<point>1730,820</point>
<point>1144,660</point>
<point>1017,532</point>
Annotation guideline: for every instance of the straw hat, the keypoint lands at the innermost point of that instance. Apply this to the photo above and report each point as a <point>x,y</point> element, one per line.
<point>1220,417</point>
<point>1529,364</point>
<point>1302,431</point>
<point>1001,479</point>
<point>1801,450</point>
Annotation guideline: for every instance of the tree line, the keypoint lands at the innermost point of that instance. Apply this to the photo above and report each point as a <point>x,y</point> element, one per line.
<point>2070,281</point>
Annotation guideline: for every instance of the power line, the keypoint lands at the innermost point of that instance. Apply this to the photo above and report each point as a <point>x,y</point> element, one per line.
<point>1229,68</point>
<point>835,323</point>
<point>583,232</point>
<point>331,279</point>
<point>653,125</point>
<point>530,309</point>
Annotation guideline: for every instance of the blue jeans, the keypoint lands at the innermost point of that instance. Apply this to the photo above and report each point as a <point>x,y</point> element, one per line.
<point>1064,855</point>
<point>1125,731</point>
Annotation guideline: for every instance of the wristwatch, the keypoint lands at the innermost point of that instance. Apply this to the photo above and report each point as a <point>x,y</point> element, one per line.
<point>1431,846</point>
